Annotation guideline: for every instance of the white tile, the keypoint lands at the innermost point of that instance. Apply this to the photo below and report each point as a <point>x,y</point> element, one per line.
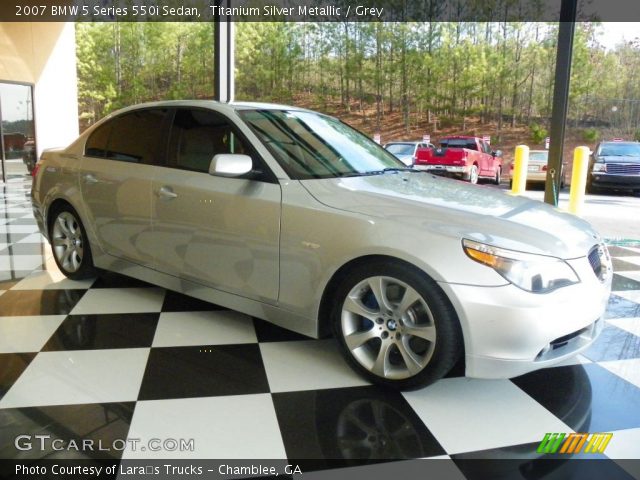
<point>632,275</point>
<point>9,228</point>
<point>120,300</point>
<point>635,260</point>
<point>83,376</point>
<point>203,328</point>
<point>467,414</point>
<point>307,365</point>
<point>50,280</point>
<point>27,334</point>
<point>631,295</point>
<point>232,427</point>
<point>3,245</point>
<point>624,445</point>
<point>631,325</point>
<point>20,262</point>
<point>33,238</point>
<point>627,369</point>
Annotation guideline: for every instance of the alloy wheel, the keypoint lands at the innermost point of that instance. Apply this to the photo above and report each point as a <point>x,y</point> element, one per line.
<point>67,241</point>
<point>388,328</point>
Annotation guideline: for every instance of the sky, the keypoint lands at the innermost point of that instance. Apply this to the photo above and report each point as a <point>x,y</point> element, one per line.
<point>614,32</point>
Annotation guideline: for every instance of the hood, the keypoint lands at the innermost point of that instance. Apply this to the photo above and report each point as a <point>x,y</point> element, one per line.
<point>441,206</point>
<point>620,159</point>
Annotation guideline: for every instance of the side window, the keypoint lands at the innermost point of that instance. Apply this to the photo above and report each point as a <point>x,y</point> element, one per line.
<point>135,137</point>
<point>197,135</point>
<point>96,145</point>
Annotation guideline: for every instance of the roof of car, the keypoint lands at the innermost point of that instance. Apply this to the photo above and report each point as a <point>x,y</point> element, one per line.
<point>214,103</point>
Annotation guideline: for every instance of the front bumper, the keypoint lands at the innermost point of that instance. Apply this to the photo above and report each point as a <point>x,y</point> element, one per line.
<point>508,331</point>
<point>608,180</point>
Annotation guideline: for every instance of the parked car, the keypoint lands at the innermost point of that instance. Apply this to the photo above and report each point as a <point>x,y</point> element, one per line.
<point>406,151</point>
<point>468,158</point>
<point>615,165</point>
<point>29,156</point>
<point>294,217</point>
<point>537,168</point>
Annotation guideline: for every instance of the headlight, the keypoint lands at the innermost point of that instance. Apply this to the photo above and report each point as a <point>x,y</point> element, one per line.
<point>599,167</point>
<point>530,272</point>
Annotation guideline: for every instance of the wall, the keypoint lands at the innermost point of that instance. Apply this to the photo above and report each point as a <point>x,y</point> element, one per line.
<point>44,54</point>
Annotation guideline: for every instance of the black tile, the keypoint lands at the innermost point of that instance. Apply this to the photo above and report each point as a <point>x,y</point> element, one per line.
<point>11,367</point>
<point>13,237</point>
<point>26,249</point>
<point>39,302</point>
<point>177,302</point>
<point>203,371</point>
<point>115,280</point>
<point>268,332</point>
<point>528,464</point>
<point>102,423</point>
<point>620,265</point>
<point>621,252</point>
<point>621,283</point>
<point>613,344</point>
<point>357,426</point>
<point>93,332</point>
<point>24,221</point>
<point>619,307</point>
<point>588,398</point>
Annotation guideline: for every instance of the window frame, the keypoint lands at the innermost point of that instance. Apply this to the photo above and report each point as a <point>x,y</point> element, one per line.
<point>261,171</point>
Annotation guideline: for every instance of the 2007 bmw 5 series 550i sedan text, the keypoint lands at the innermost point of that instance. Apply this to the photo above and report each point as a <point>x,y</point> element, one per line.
<point>294,217</point>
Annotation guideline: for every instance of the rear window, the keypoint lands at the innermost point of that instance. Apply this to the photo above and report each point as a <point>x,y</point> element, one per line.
<point>459,143</point>
<point>539,156</point>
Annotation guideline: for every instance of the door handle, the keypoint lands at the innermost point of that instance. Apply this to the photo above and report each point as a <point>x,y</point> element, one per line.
<point>166,193</point>
<point>90,179</point>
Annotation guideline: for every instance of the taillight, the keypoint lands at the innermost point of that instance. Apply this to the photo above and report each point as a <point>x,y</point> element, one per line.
<point>511,166</point>
<point>544,168</point>
<point>34,172</point>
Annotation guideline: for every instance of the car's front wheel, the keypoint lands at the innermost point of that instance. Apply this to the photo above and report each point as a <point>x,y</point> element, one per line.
<point>395,326</point>
<point>69,243</point>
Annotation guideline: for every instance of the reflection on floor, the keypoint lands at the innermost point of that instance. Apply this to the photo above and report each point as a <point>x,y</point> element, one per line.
<point>114,358</point>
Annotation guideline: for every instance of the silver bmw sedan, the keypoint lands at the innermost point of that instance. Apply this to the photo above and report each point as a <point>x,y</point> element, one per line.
<point>294,217</point>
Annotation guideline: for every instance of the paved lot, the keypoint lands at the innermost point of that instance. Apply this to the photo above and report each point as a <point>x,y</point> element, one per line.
<point>616,215</point>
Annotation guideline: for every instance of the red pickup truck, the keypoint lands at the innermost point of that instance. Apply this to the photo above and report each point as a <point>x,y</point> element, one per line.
<point>469,158</point>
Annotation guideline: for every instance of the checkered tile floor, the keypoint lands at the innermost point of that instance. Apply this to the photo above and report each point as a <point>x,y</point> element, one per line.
<point>115,358</point>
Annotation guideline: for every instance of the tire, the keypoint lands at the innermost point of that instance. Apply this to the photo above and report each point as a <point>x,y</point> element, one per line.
<point>496,180</point>
<point>71,249</point>
<point>411,342</point>
<point>473,175</point>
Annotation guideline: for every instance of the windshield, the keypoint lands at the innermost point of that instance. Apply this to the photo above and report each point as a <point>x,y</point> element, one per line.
<point>311,145</point>
<point>620,150</point>
<point>400,148</point>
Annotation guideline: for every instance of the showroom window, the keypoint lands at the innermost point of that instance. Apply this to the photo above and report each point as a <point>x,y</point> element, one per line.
<point>198,135</point>
<point>17,130</point>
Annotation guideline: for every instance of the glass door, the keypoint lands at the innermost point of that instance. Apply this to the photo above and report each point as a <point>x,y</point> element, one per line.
<point>17,130</point>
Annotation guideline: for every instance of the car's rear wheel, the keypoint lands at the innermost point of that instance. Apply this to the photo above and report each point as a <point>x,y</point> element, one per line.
<point>395,326</point>
<point>71,250</point>
<point>473,174</point>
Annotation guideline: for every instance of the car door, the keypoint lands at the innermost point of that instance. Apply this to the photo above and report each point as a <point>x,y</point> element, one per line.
<point>218,231</point>
<point>486,159</point>
<point>117,169</point>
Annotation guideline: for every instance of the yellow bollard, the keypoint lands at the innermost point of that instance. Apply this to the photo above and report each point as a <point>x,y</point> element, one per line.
<point>578,179</point>
<point>520,165</point>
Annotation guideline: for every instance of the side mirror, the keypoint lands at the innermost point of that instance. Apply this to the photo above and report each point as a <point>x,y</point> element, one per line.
<point>497,153</point>
<point>230,165</point>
